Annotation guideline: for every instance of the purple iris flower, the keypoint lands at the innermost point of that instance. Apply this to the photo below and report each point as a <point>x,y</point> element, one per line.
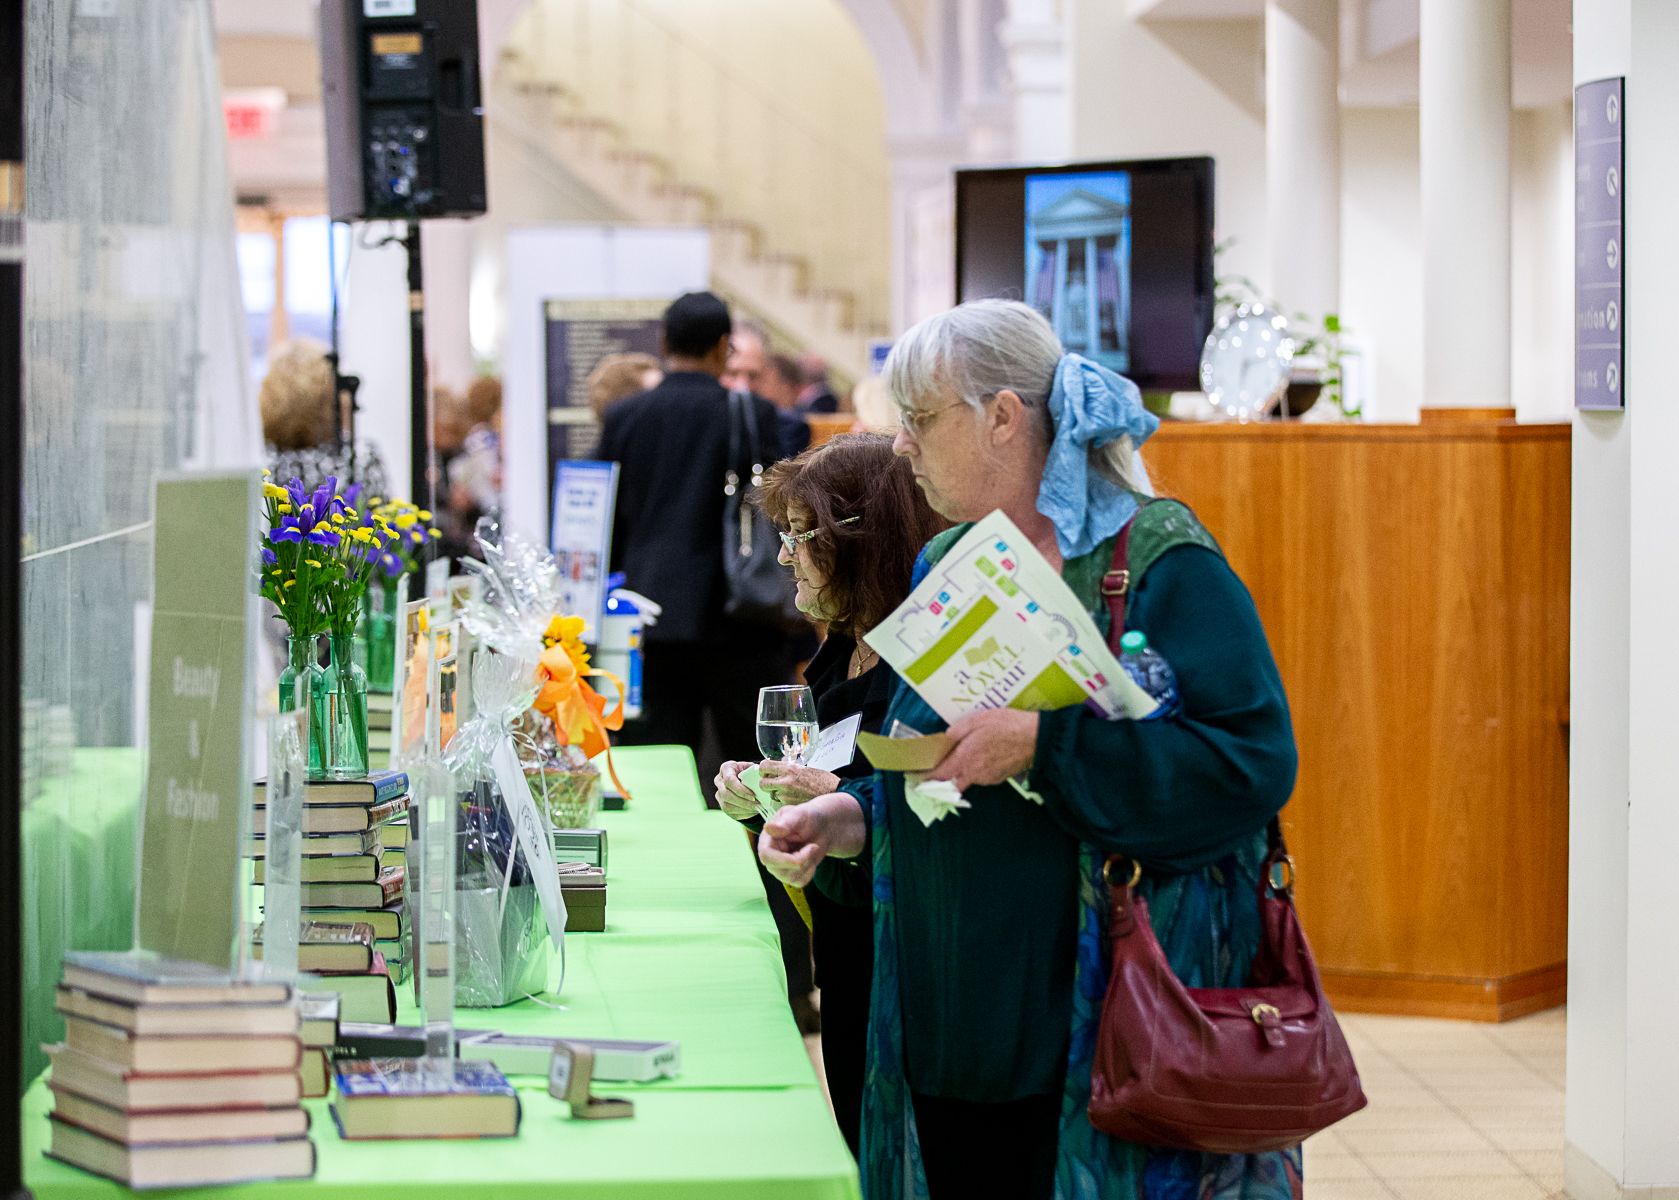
<point>352,494</point>
<point>269,558</point>
<point>324,536</point>
<point>393,565</point>
<point>286,531</point>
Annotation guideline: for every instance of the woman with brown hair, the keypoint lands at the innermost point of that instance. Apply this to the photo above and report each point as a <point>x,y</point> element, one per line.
<point>852,522</point>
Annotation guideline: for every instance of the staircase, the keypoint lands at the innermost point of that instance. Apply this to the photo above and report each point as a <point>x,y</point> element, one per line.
<point>665,133</point>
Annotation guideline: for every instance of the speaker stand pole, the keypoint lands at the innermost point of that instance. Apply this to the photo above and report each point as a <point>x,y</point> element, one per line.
<point>422,463</point>
<point>11,596</point>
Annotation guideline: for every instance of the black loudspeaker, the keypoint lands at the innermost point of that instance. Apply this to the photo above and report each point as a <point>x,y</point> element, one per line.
<point>404,119</point>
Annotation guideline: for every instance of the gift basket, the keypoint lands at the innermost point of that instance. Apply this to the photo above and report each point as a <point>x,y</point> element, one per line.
<point>538,720</point>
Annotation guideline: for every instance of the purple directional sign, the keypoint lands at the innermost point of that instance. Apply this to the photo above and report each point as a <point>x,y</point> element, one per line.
<point>1599,244</point>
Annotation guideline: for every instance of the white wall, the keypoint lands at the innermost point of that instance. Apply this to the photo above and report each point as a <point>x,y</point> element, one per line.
<point>1381,261</point>
<point>1623,1054</point>
<point>373,344</point>
<point>579,262</point>
<point>1144,91</point>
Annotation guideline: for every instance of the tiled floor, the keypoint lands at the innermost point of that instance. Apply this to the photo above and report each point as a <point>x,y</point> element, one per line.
<point>1458,1111</point>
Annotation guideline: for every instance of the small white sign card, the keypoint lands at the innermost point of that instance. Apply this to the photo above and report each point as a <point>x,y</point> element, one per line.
<point>836,745</point>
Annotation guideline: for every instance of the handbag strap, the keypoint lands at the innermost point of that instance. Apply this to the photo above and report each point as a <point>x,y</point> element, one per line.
<point>1116,590</point>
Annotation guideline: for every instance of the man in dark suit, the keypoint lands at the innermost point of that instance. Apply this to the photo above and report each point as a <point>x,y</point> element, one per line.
<point>671,445</point>
<point>672,448</point>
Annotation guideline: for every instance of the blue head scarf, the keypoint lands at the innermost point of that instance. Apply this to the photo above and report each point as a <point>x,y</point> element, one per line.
<point>1090,407</point>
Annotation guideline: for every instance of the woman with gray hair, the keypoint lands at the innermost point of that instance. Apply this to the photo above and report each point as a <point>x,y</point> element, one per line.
<point>990,927</point>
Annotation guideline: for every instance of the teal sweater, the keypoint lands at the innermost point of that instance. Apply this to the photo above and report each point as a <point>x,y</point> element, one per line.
<point>987,900</point>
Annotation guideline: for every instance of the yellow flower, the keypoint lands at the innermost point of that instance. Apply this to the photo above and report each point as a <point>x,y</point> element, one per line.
<point>274,574</point>
<point>291,583</point>
<point>424,515</point>
<point>312,563</point>
<point>431,533</point>
<point>266,472</point>
<point>282,508</point>
<point>417,536</point>
<point>405,520</point>
<point>374,501</point>
<point>363,536</point>
<point>273,492</point>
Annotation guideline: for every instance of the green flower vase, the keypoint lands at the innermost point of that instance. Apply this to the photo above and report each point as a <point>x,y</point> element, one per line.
<point>305,677</point>
<point>346,707</point>
<point>378,627</point>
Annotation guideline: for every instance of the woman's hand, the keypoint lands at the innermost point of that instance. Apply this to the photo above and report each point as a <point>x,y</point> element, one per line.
<point>790,784</point>
<point>796,840</point>
<point>733,796</point>
<point>991,746</point>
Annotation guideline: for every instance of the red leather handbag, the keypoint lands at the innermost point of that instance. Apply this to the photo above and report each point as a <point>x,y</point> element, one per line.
<point>1223,1070</point>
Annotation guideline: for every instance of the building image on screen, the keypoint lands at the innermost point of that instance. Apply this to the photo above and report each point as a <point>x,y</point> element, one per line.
<point>1078,260</point>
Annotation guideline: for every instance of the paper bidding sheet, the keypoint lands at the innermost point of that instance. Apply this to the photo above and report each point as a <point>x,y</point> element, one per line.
<point>994,626</point>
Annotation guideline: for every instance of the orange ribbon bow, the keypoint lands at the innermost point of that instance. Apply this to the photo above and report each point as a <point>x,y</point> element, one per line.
<point>576,709</point>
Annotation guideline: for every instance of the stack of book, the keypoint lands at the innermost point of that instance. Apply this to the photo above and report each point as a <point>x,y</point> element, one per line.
<point>346,882</point>
<point>173,1074</point>
<point>379,729</point>
<point>423,1098</point>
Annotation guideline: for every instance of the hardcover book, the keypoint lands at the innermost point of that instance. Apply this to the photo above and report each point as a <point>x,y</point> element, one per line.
<point>364,996</point>
<point>393,835</point>
<point>365,841</point>
<point>338,818</point>
<point>140,977</point>
<point>423,1098</point>
<point>134,1092</point>
<point>196,1165</point>
<point>388,921</point>
<point>316,1073</point>
<point>329,946</point>
<point>320,1018</point>
<point>380,892</point>
<point>192,1125</point>
<point>180,1055</point>
<point>229,1020</point>
<point>330,868</point>
<point>375,789</point>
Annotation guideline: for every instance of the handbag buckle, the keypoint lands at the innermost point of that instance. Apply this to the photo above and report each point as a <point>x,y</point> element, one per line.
<point>1116,583</point>
<point>1107,872</point>
<point>1269,1018</point>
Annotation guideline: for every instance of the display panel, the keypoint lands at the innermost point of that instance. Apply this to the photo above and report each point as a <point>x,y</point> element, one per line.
<point>1118,256</point>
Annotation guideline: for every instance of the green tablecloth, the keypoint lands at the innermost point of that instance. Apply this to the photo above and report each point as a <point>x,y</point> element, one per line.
<point>689,953</point>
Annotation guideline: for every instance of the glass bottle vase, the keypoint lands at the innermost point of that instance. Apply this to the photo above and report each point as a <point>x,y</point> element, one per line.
<point>302,679</point>
<point>378,626</point>
<point>346,707</point>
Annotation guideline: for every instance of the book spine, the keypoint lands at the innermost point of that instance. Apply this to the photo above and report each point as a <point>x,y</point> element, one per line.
<point>390,787</point>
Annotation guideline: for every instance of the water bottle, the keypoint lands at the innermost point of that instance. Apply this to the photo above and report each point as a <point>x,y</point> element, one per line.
<point>1150,671</point>
<point>620,647</point>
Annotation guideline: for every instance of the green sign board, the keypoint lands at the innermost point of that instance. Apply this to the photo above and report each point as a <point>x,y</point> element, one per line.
<point>198,771</point>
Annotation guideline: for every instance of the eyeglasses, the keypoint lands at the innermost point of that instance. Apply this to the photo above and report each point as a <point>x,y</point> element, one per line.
<point>794,540</point>
<point>917,421</point>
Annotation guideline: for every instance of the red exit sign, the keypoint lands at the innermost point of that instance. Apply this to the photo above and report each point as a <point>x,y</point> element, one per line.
<point>252,112</point>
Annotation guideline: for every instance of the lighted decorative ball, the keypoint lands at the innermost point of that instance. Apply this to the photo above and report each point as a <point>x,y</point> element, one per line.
<point>1245,363</point>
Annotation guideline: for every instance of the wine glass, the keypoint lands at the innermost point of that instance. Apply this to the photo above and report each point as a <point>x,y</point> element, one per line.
<point>786,722</point>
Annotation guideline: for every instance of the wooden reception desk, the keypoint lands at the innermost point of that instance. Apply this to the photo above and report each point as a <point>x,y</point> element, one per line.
<point>1414,583</point>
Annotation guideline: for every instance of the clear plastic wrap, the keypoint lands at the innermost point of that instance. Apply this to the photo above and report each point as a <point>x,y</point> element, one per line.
<point>502,933</point>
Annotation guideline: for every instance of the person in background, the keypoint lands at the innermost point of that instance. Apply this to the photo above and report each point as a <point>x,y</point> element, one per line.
<point>779,384</point>
<point>816,394</point>
<point>671,444</point>
<point>301,421</point>
<point>617,376</point>
<point>751,369</point>
<point>473,474</point>
<point>700,668</point>
<point>852,521</point>
<point>989,958</point>
<point>872,405</point>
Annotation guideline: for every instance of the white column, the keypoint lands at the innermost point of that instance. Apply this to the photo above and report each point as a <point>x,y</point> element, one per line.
<point>1465,126</point>
<point>923,220</point>
<point>1623,894</point>
<point>448,250</point>
<point>1040,64</point>
<point>1303,153</point>
<point>373,344</point>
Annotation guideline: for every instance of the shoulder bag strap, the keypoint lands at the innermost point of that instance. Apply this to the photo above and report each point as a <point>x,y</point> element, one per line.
<point>1116,584</point>
<point>749,417</point>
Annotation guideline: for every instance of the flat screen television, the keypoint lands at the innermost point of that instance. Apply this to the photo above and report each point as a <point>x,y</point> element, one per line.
<point>1118,256</point>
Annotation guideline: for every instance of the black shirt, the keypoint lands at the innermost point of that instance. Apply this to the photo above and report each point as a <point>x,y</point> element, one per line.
<point>671,445</point>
